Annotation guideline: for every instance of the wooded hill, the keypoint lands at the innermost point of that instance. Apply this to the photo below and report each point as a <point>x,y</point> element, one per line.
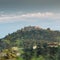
<point>30,34</point>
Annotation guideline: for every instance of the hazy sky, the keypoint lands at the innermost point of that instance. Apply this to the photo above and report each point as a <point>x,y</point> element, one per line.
<point>15,14</point>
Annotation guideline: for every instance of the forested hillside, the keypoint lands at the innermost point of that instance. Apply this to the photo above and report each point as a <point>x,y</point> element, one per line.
<point>32,34</point>
<point>30,43</point>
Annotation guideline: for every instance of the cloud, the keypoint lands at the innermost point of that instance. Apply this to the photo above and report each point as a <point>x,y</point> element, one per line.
<point>20,17</point>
